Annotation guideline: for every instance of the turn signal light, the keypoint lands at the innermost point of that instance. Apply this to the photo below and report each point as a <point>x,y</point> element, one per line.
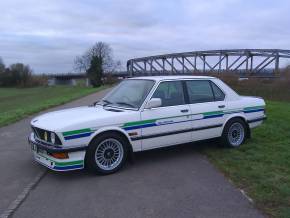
<point>60,155</point>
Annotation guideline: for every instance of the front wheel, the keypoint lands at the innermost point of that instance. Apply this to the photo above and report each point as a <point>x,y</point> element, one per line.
<point>234,133</point>
<point>106,153</point>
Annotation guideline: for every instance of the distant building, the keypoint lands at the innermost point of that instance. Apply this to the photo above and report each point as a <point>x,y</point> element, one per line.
<point>68,79</point>
<point>73,79</point>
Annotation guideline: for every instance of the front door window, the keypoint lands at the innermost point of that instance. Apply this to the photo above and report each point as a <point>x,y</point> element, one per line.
<point>170,93</point>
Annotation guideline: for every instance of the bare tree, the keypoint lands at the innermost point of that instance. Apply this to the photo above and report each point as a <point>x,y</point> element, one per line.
<point>21,74</point>
<point>100,50</point>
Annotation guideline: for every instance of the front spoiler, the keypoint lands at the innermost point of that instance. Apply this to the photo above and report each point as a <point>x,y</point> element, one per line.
<point>43,157</point>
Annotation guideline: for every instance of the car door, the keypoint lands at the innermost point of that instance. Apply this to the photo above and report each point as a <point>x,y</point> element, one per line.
<point>207,103</point>
<point>170,123</point>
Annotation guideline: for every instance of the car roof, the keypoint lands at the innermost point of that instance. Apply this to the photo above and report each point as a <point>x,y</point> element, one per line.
<point>159,78</point>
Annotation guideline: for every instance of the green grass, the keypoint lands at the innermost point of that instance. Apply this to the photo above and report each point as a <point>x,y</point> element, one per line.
<point>17,103</point>
<point>261,167</point>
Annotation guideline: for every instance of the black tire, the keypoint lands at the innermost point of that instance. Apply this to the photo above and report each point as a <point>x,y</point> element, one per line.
<point>229,136</point>
<point>94,165</point>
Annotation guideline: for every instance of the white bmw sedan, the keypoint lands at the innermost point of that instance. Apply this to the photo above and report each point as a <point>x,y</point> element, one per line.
<point>140,114</point>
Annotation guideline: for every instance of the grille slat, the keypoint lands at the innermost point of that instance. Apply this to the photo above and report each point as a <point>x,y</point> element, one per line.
<point>40,135</point>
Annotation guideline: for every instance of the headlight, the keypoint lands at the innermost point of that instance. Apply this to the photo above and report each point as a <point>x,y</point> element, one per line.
<point>52,137</point>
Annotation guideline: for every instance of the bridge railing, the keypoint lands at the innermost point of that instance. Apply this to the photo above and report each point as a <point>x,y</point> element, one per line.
<point>251,61</point>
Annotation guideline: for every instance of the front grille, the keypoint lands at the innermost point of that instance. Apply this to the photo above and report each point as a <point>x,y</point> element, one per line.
<point>40,134</point>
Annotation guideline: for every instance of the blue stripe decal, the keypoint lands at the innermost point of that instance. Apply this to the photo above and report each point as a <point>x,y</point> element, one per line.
<point>205,117</point>
<point>78,136</point>
<point>73,167</point>
<point>232,112</point>
<point>213,116</point>
<point>140,126</point>
<point>252,111</point>
<point>183,121</point>
<point>161,124</point>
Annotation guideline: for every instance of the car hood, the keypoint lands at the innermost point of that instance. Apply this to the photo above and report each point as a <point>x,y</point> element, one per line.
<point>78,117</point>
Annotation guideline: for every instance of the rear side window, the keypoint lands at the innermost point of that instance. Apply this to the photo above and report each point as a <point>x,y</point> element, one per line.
<point>199,91</point>
<point>218,93</point>
<point>170,93</point>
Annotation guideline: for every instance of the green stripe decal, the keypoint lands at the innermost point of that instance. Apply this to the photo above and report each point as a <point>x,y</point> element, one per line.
<point>142,122</point>
<point>78,162</point>
<point>137,123</point>
<point>74,132</point>
<point>70,163</point>
<point>213,113</point>
<point>233,111</point>
<point>252,108</point>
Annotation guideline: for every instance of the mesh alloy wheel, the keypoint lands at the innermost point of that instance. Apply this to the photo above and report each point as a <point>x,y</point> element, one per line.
<point>109,154</point>
<point>236,134</point>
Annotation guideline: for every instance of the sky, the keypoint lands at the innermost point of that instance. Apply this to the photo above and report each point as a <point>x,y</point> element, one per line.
<point>48,35</point>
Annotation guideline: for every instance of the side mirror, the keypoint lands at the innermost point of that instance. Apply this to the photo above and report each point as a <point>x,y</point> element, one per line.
<point>154,102</point>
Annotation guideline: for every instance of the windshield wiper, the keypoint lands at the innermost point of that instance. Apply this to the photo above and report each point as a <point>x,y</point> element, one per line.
<point>125,103</point>
<point>106,102</point>
<point>94,104</point>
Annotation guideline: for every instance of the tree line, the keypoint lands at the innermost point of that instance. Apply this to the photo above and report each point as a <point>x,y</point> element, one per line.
<point>95,62</point>
<point>17,74</point>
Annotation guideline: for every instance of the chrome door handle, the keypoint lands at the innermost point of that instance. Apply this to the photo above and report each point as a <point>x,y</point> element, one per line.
<point>184,111</point>
<point>221,106</point>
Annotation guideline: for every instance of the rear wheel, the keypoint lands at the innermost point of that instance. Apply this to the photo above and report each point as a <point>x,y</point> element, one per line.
<point>234,133</point>
<point>107,153</point>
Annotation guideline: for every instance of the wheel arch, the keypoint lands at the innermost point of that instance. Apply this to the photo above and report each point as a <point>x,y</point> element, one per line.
<point>117,130</point>
<point>243,118</point>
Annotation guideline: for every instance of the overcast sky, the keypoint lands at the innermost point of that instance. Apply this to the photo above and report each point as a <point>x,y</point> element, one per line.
<point>48,35</point>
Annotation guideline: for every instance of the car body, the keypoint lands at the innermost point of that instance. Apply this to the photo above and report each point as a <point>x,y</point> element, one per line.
<point>168,110</point>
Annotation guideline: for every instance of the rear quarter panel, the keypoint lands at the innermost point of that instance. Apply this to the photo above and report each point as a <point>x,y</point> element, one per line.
<point>249,108</point>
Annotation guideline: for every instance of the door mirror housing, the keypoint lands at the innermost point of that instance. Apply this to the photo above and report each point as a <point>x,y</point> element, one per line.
<point>153,102</point>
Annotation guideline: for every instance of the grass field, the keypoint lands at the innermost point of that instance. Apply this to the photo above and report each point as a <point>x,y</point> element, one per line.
<point>261,167</point>
<point>17,103</point>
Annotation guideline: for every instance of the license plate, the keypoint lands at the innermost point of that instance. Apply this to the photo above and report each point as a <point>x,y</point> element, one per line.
<point>37,149</point>
<point>41,151</point>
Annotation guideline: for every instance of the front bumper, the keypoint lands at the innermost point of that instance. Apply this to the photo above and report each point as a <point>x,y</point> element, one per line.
<point>42,154</point>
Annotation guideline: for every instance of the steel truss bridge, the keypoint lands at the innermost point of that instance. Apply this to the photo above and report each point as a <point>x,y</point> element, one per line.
<point>246,61</point>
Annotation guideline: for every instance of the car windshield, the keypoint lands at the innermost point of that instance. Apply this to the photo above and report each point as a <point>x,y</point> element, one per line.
<point>129,94</point>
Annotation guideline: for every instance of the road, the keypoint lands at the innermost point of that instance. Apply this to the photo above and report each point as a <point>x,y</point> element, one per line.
<point>171,182</point>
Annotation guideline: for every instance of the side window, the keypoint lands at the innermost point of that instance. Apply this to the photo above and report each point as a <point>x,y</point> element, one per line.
<point>218,94</point>
<point>171,93</point>
<point>199,91</point>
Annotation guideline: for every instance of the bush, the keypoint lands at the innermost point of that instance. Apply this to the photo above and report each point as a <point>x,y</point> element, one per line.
<point>277,89</point>
<point>109,79</point>
<point>19,75</point>
<point>37,80</point>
